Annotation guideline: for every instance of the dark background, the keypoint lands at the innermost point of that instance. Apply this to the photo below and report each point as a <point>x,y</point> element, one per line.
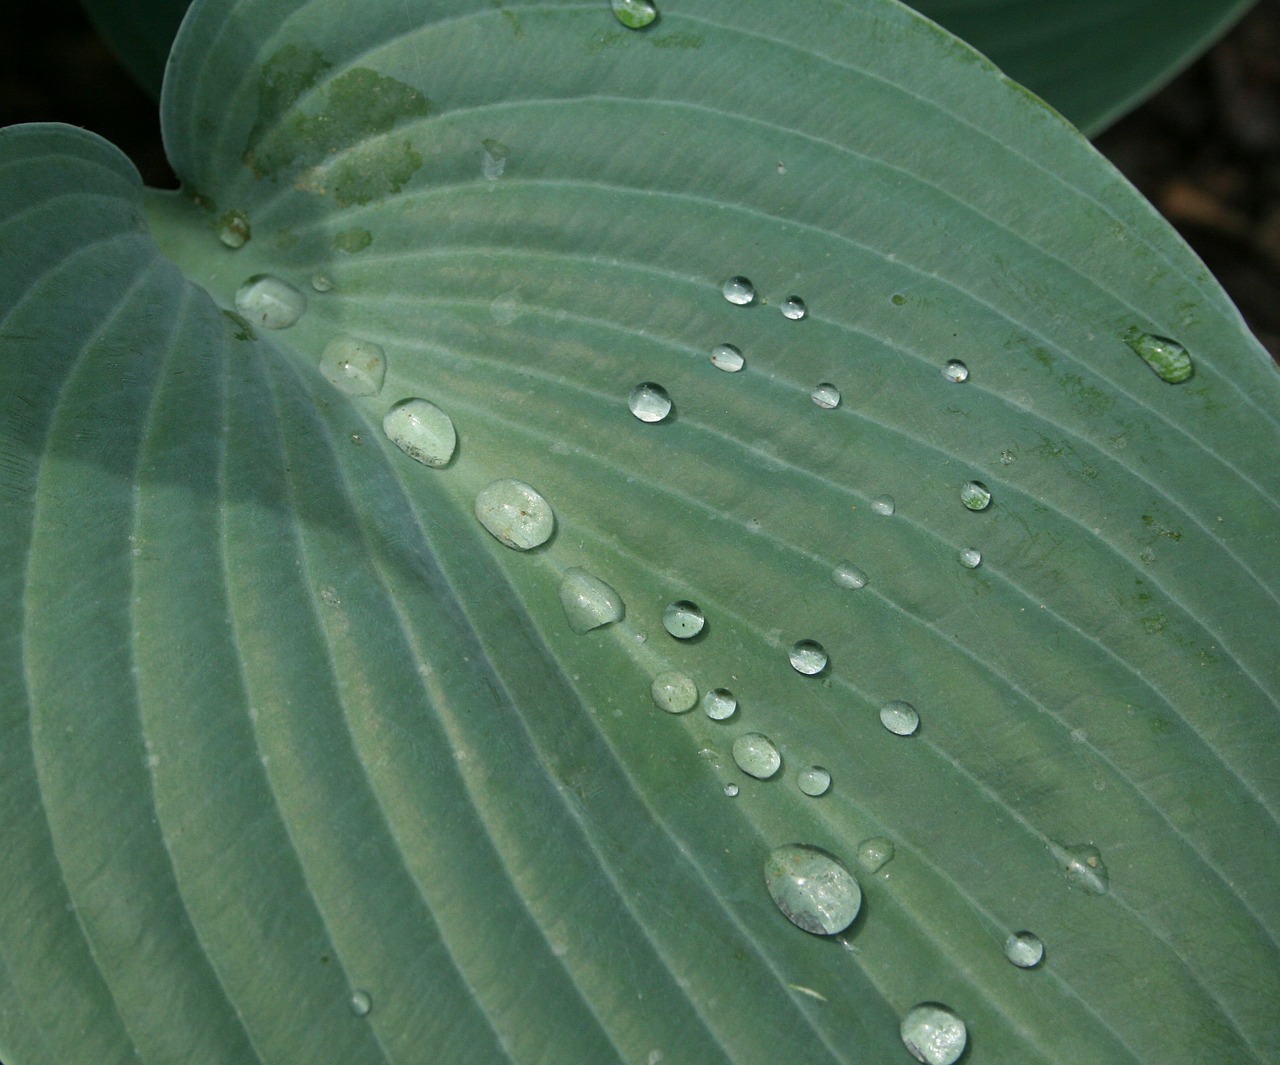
<point>1205,151</point>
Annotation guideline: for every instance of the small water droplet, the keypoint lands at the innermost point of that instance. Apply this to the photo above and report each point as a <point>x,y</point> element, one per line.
<point>322,282</point>
<point>731,790</point>
<point>588,602</point>
<point>1169,359</point>
<point>361,1003</point>
<point>727,358</point>
<point>975,495</point>
<point>970,558</point>
<point>899,717</point>
<point>1024,949</point>
<point>825,395</point>
<point>357,367</point>
<point>898,299</point>
<point>233,228</point>
<point>267,301</point>
<point>1007,458</point>
<point>884,505</point>
<point>352,240</point>
<point>739,291</point>
<point>422,431</point>
<point>756,755</point>
<point>649,402</point>
<point>934,1034</point>
<point>719,704</point>
<point>515,514</point>
<point>955,371</point>
<point>793,307</point>
<point>494,160</point>
<point>634,14</point>
<point>813,780</point>
<point>808,657</point>
<point>812,888</point>
<point>683,620</point>
<point>1083,867</point>
<point>674,692</point>
<point>847,575</point>
<point>875,853</point>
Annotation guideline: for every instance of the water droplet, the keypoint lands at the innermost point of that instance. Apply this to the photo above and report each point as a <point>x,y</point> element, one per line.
<point>970,558</point>
<point>267,301</point>
<point>975,495</point>
<point>588,602</point>
<point>847,575</point>
<point>731,790</point>
<point>812,888</point>
<point>813,780</point>
<point>808,657</point>
<point>361,1003</point>
<point>884,505</point>
<point>727,358</point>
<point>674,692</point>
<point>933,1034</point>
<point>875,853</point>
<point>322,282</point>
<point>1083,867</point>
<point>683,620</point>
<point>357,367</point>
<point>898,299</point>
<point>1024,949</point>
<point>719,704</point>
<point>756,755</point>
<point>955,371</point>
<point>352,240</point>
<point>1169,359</point>
<point>826,396</point>
<point>423,432</point>
<point>233,228</point>
<point>1007,458</point>
<point>649,402</point>
<point>793,307</point>
<point>739,291</point>
<point>899,717</point>
<point>494,160</point>
<point>634,14</point>
<point>515,514</point>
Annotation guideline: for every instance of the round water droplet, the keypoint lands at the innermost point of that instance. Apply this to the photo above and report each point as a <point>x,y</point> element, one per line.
<point>267,301</point>
<point>970,558</point>
<point>683,620</point>
<point>875,853</point>
<point>739,291</point>
<point>634,14</point>
<point>1169,359</point>
<point>756,755</point>
<point>322,282</point>
<point>1007,458</point>
<point>494,159</point>
<point>826,396</point>
<point>793,307</point>
<point>1083,867</point>
<point>1024,949</point>
<point>933,1034</point>
<point>422,431</point>
<point>975,495</point>
<point>719,704</point>
<point>233,228</point>
<point>731,790</point>
<point>847,575</point>
<point>361,1003</point>
<point>899,717</point>
<point>588,602</point>
<point>812,888</point>
<point>884,505</point>
<point>515,514</point>
<point>955,371</point>
<point>813,780</point>
<point>808,657</point>
<point>674,692</point>
<point>357,367</point>
<point>727,358</point>
<point>649,402</point>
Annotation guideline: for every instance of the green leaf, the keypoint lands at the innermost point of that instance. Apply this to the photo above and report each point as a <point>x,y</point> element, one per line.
<point>288,724</point>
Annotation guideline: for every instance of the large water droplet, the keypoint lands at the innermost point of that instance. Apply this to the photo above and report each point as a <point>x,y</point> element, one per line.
<point>515,514</point>
<point>683,620</point>
<point>739,291</point>
<point>847,575</point>
<point>826,396</point>
<point>1024,949</point>
<point>812,888</point>
<point>267,301</point>
<point>494,160</point>
<point>422,431</point>
<point>649,402</point>
<point>793,307</point>
<point>731,790</point>
<point>727,358</point>
<point>813,780</point>
<point>808,657</point>
<point>970,558</point>
<point>634,14</point>
<point>884,505</point>
<point>975,495</point>
<point>588,602</point>
<point>719,704</point>
<point>955,371</point>
<point>361,1003</point>
<point>756,755</point>
<point>875,853</point>
<point>233,228</point>
<point>1169,359</point>
<point>1083,867</point>
<point>899,717</point>
<point>674,692</point>
<point>933,1034</point>
<point>357,367</point>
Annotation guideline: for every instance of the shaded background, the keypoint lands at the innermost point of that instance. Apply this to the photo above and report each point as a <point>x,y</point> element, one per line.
<point>1205,150</point>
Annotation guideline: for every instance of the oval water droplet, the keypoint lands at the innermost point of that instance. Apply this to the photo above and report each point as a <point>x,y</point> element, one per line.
<point>934,1034</point>
<point>975,495</point>
<point>884,505</point>
<point>493,161</point>
<point>422,431</point>
<point>756,755</point>
<point>588,601</point>
<point>847,575</point>
<point>812,888</point>
<point>808,657</point>
<point>899,717</point>
<point>1082,866</point>
<point>357,367</point>
<point>739,291</point>
<point>322,282</point>
<point>267,301</point>
<point>515,514</point>
<point>719,704</point>
<point>970,558</point>
<point>674,692</point>
<point>793,307</point>
<point>728,358</point>
<point>634,14</point>
<point>731,790</point>
<point>955,371</point>
<point>233,228</point>
<point>361,1003</point>
<point>649,402</point>
<point>683,620</point>
<point>875,853</point>
<point>825,395</point>
<point>1024,949</point>
<point>1169,359</point>
<point>813,780</point>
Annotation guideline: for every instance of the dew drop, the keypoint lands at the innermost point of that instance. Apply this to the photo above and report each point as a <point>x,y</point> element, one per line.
<point>515,514</point>
<point>739,291</point>
<point>634,14</point>
<point>719,704</point>
<point>875,853</point>
<point>731,790</point>
<point>352,240</point>
<point>357,367</point>
<point>1083,867</point>
<point>793,307</point>
<point>422,431</point>
<point>683,620</point>
<point>1007,458</point>
<point>847,575</point>
<point>674,692</point>
<point>884,505</point>
<point>267,301</point>
<point>813,780</point>
<point>826,396</point>
<point>494,160</point>
<point>233,228</point>
<point>756,755</point>
<point>933,1034</point>
<point>812,888</point>
<point>899,717</point>
<point>727,358</point>
<point>1169,359</point>
<point>808,657</point>
<point>361,1003</point>
<point>975,495</point>
<point>649,402</point>
<point>588,602</point>
<point>322,282</point>
<point>1024,949</point>
<point>970,558</point>
<point>955,371</point>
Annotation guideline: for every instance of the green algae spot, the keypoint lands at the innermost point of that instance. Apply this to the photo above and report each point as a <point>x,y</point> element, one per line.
<point>352,240</point>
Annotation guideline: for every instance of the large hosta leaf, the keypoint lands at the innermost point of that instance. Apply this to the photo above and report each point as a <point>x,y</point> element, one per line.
<point>284,724</point>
